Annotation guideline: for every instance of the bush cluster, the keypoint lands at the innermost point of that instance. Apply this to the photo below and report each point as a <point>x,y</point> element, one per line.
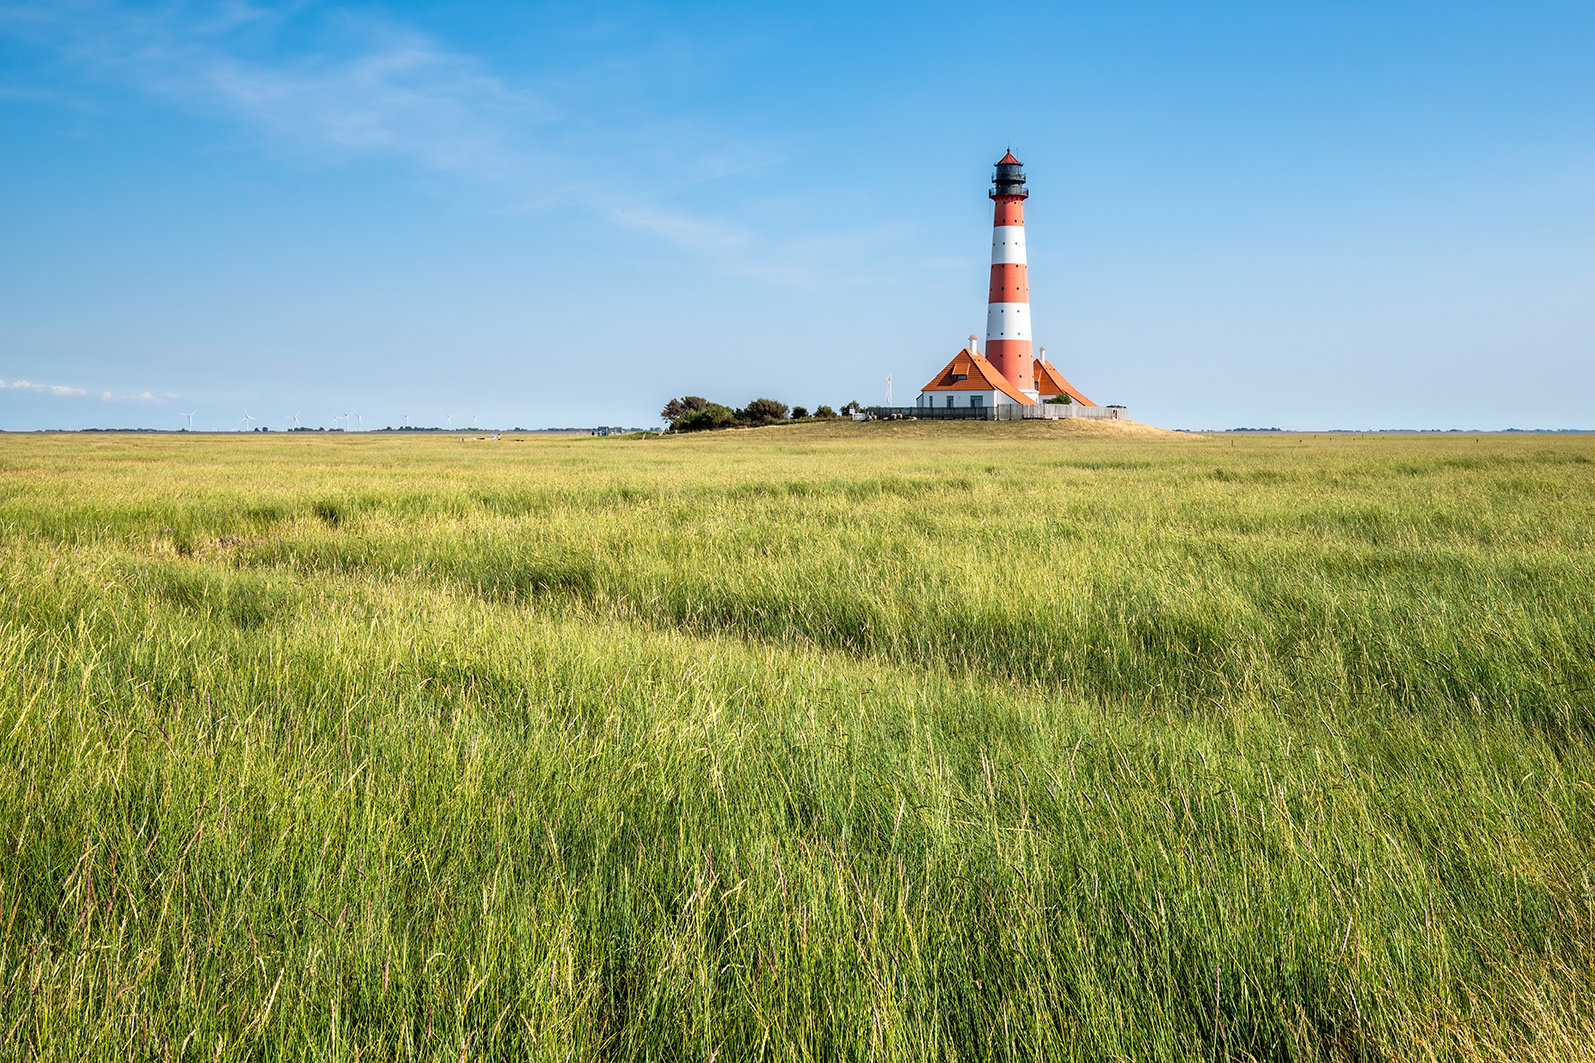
<point>694,413</point>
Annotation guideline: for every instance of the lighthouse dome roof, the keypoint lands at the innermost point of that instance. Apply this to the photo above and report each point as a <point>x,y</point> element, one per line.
<point>1009,160</point>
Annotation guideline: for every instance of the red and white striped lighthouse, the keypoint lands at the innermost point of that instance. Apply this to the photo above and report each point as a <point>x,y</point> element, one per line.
<point>1007,374</point>
<point>1008,307</point>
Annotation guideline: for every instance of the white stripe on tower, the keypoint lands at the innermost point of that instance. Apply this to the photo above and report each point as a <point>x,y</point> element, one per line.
<point>1008,244</point>
<point>1006,322</point>
<point>1008,336</point>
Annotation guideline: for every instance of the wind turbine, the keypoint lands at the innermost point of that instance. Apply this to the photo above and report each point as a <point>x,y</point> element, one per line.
<point>361,421</point>
<point>449,417</point>
<point>407,420</point>
<point>245,419</point>
<point>473,422</point>
<point>190,415</point>
<point>296,421</point>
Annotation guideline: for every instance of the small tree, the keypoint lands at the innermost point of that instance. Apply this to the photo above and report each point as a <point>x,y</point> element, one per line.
<point>763,411</point>
<point>800,413</point>
<point>824,413</point>
<point>711,416</point>
<point>676,409</point>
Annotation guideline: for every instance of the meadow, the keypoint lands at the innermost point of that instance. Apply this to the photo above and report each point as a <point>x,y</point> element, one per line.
<point>888,741</point>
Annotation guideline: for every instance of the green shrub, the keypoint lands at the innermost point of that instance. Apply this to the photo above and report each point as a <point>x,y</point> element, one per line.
<point>762,412</point>
<point>709,417</point>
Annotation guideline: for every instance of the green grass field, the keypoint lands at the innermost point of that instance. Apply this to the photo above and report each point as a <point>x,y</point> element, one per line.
<point>892,741</point>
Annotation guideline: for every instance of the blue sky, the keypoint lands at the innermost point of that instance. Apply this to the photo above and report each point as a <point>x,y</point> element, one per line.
<point>1310,215</point>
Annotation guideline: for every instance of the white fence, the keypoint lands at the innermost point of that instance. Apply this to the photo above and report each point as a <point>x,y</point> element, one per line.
<point>1055,411</point>
<point>1005,412</point>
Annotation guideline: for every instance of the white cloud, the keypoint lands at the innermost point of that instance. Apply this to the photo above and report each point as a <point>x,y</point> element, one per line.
<point>67,391</point>
<point>362,85</point>
<point>141,397</point>
<point>404,96</point>
<point>60,390</point>
<point>343,84</point>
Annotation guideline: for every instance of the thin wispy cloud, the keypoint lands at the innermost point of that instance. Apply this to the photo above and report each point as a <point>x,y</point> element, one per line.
<point>366,86</point>
<point>142,397</point>
<point>57,390</point>
<point>343,85</point>
<point>69,391</point>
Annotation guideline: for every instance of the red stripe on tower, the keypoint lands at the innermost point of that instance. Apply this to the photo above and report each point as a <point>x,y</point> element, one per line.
<point>1008,337</point>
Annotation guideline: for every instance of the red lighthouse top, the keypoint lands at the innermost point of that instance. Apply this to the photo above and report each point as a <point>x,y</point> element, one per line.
<point>1009,160</point>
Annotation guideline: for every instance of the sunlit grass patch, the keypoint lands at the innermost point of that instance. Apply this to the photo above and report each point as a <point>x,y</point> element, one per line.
<point>788,744</point>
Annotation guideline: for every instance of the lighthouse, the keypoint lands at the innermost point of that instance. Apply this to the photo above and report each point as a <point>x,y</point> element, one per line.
<point>1008,303</point>
<point>1006,375</point>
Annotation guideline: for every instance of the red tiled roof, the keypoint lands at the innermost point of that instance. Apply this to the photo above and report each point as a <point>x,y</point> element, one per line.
<point>1009,160</point>
<point>1050,382</point>
<point>978,375</point>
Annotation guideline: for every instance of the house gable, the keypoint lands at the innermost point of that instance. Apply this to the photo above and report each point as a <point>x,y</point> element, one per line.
<point>969,371</point>
<point>1050,383</point>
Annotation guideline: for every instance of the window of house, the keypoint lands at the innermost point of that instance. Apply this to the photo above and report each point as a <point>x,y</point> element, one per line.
<point>977,400</point>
